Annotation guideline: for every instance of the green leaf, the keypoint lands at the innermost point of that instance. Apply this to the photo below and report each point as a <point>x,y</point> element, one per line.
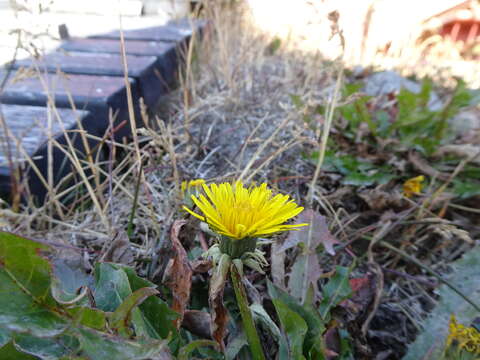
<point>187,349</point>
<point>316,325</point>
<point>101,346</point>
<point>335,291</point>
<point>25,300</point>
<point>157,314</point>
<point>10,352</point>
<point>120,319</point>
<point>93,318</point>
<point>20,260</point>
<point>297,101</point>
<point>261,316</point>
<point>464,189</point>
<point>5,336</point>
<point>234,346</point>
<point>430,343</point>
<point>111,286</point>
<point>32,322</point>
<point>68,277</point>
<point>47,348</point>
<point>295,329</point>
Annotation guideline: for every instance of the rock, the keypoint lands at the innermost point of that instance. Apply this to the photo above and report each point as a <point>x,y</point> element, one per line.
<point>388,82</point>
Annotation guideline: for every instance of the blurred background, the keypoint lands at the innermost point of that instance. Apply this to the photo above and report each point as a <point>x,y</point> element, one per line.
<point>438,38</point>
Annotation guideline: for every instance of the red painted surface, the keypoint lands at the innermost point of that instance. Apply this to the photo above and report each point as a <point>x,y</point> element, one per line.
<point>461,30</point>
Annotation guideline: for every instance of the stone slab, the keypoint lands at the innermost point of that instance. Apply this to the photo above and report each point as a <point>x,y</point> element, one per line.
<point>25,135</point>
<point>96,94</point>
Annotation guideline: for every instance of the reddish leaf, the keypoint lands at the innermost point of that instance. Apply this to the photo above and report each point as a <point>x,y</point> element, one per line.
<point>363,293</point>
<point>358,283</point>
<point>178,274</point>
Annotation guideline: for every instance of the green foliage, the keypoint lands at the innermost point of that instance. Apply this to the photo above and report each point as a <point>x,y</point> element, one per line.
<point>42,317</point>
<point>356,171</point>
<point>304,324</point>
<point>295,329</point>
<point>335,291</point>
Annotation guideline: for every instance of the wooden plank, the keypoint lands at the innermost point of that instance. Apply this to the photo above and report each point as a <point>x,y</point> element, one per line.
<point>97,94</point>
<point>159,33</point>
<point>112,46</point>
<point>88,64</point>
<point>141,68</point>
<point>188,24</point>
<point>28,131</point>
<point>166,65</point>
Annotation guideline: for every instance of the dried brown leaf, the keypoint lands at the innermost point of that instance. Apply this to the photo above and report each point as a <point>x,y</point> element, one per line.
<point>178,274</point>
<point>119,250</point>
<point>380,200</point>
<point>277,263</point>
<point>423,167</point>
<point>467,151</point>
<point>201,266</point>
<point>219,315</point>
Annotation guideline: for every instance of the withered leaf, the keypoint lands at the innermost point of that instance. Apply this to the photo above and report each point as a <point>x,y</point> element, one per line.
<point>306,270</point>
<point>277,263</point>
<point>178,274</point>
<point>318,229</point>
<point>219,315</point>
<point>119,250</point>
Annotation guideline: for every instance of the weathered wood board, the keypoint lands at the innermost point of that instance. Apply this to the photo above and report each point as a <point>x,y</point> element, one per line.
<point>97,94</point>
<point>26,145</point>
<point>165,52</point>
<point>87,75</point>
<point>112,46</point>
<point>160,33</point>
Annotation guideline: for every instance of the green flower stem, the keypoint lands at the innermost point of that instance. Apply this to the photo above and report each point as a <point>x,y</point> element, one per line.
<point>247,319</point>
<point>237,247</point>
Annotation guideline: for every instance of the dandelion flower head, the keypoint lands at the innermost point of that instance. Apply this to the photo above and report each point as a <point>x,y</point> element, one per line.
<point>467,338</point>
<point>413,186</point>
<point>239,212</point>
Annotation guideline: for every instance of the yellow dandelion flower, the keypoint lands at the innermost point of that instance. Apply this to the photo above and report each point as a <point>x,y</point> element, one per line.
<point>466,338</point>
<point>413,186</point>
<point>192,183</point>
<point>238,212</point>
